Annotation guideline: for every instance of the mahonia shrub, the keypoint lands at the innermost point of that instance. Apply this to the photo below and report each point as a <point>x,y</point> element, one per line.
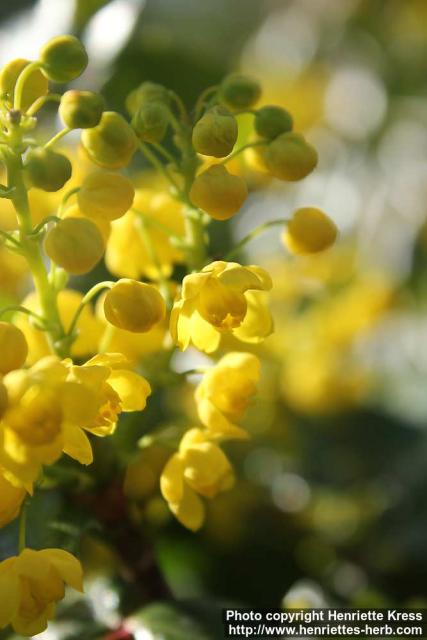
<point>68,371</point>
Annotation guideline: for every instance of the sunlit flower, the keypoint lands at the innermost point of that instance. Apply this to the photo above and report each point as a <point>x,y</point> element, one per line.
<point>199,468</point>
<point>221,299</point>
<point>225,392</point>
<point>30,586</point>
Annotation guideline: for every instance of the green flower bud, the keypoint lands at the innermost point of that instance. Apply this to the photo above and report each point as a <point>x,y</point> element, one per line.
<point>75,244</point>
<point>215,134</point>
<point>239,92</point>
<point>112,143</point>
<point>64,58</point>
<point>81,109</point>
<point>145,93</point>
<point>13,347</point>
<point>290,157</point>
<point>218,192</point>
<point>46,169</point>
<point>35,86</point>
<point>151,121</point>
<point>270,122</point>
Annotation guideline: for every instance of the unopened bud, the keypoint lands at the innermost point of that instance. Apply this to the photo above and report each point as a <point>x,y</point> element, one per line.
<point>147,92</point>
<point>270,122</point>
<point>75,244</point>
<point>215,134</point>
<point>63,58</point>
<point>46,169</point>
<point>81,109</point>
<point>105,195</point>
<point>239,92</point>
<point>289,157</point>
<point>112,143</point>
<point>134,306</point>
<point>13,347</point>
<point>309,231</point>
<point>151,121</point>
<point>36,84</point>
<point>218,192</point>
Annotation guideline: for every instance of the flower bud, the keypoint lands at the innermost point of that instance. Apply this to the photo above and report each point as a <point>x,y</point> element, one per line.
<point>215,134</point>
<point>4,400</point>
<point>309,231</point>
<point>218,192</point>
<point>239,92</point>
<point>13,347</point>
<point>105,195</point>
<point>63,58</point>
<point>112,143</point>
<point>151,121</point>
<point>145,93</point>
<point>270,122</point>
<point>81,109</point>
<point>46,169</point>
<point>134,306</point>
<point>75,244</point>
<point>290,157</point>
<point>36,84</point>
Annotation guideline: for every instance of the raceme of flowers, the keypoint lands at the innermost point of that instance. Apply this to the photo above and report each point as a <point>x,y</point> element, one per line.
<point>68,369</point>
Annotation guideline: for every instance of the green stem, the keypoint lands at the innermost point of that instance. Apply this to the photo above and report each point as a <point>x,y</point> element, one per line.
<point>65,199</point>
<point>151,157</point>
<point>22,527</point>
<point>10,238</point>
<point>43,223</point>
<point>20,84</point>
<point>195,240</point>
<point>19,308</point>
<point>40,102</point>
<point>57,137</point>
<point>253,234</point>
<point>202,99</point>
<point>250,145</point>
<point>106,284</point>
<point>32,252</point>
<point>164,152</point>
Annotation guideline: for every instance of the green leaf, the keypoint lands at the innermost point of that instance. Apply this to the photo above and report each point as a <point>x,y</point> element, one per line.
<point>162,621</point>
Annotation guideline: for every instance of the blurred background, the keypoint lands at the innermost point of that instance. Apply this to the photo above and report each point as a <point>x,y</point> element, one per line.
<point>330,504</point>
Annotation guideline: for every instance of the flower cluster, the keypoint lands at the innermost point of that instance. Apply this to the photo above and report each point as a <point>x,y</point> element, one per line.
<point>69,370</point>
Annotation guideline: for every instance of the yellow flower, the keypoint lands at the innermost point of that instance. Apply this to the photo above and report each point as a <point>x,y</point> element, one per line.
<point>51,404</point>
<point>219,299</point>
<point>31,429</point>
<point>103,388</point>
<point>309,231</point>
<point>198,468</point>
<point>138,249</point>
<point>225,392</point>
<point>11,498</point>
<point>30,586</point>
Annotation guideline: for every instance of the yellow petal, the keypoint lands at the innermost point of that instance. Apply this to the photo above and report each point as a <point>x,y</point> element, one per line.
<point>132,389</point>
<point>193,283</point>
<point>190,511</point>
<point>218,426</point>
<point>203,335</point>
<point>112,360</point>
<point>180,323</point>
<point>258,323</point>
<point>241,278</point>
<point>9,591</point>
<point>171,480</point>
<point>67,566</point>
<point>11,499</point>
<point>77,444</point>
